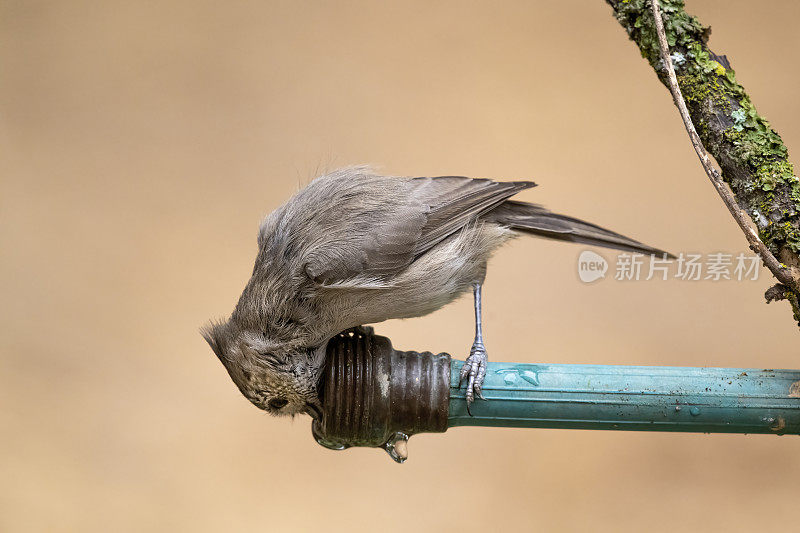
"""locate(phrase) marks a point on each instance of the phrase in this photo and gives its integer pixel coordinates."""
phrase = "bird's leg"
(474, 369)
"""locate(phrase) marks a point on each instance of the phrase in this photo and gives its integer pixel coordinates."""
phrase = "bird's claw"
(474, 371)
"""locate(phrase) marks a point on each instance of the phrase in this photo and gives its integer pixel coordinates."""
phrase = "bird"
(354, 247)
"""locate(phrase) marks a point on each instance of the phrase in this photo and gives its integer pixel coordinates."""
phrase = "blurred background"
(142, 142)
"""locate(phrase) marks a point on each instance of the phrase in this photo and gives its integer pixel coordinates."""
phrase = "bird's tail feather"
(535, 219)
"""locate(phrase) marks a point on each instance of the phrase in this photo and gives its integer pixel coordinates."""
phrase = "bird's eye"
(277, 403)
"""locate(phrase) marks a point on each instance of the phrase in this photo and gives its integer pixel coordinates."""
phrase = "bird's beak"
(314, 409)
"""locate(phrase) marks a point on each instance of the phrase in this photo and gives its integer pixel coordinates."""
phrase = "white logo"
(591, 266)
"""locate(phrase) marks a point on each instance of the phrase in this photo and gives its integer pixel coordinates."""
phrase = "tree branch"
(752, 156)
(781, 273)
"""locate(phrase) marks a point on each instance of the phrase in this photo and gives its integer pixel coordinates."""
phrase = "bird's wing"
(375, 241)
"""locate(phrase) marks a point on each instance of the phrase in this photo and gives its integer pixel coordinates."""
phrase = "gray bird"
(356, 248)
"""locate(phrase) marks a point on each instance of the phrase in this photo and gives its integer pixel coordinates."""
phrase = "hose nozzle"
(379, 396)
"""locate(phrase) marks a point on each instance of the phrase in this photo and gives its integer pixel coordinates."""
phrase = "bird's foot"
(474, 371)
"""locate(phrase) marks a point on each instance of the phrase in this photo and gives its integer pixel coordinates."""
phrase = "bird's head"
(278, 379)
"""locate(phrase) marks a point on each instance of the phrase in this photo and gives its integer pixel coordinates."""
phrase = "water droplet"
(396, 447)
(694, 411)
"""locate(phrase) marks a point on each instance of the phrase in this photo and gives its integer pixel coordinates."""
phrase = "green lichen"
(795, 303)
(699, 90)
(738, 117)
(769, 175)
(739, 138)
(681, 28)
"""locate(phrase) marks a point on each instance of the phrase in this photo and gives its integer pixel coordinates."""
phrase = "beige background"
(142, 142)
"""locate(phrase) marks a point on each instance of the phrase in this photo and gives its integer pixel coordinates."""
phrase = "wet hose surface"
(374, 395)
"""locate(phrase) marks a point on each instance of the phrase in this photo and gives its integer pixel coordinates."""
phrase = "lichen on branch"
(753, 159)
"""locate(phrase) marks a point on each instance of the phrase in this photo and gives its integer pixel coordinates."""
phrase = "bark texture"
(753, 159)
